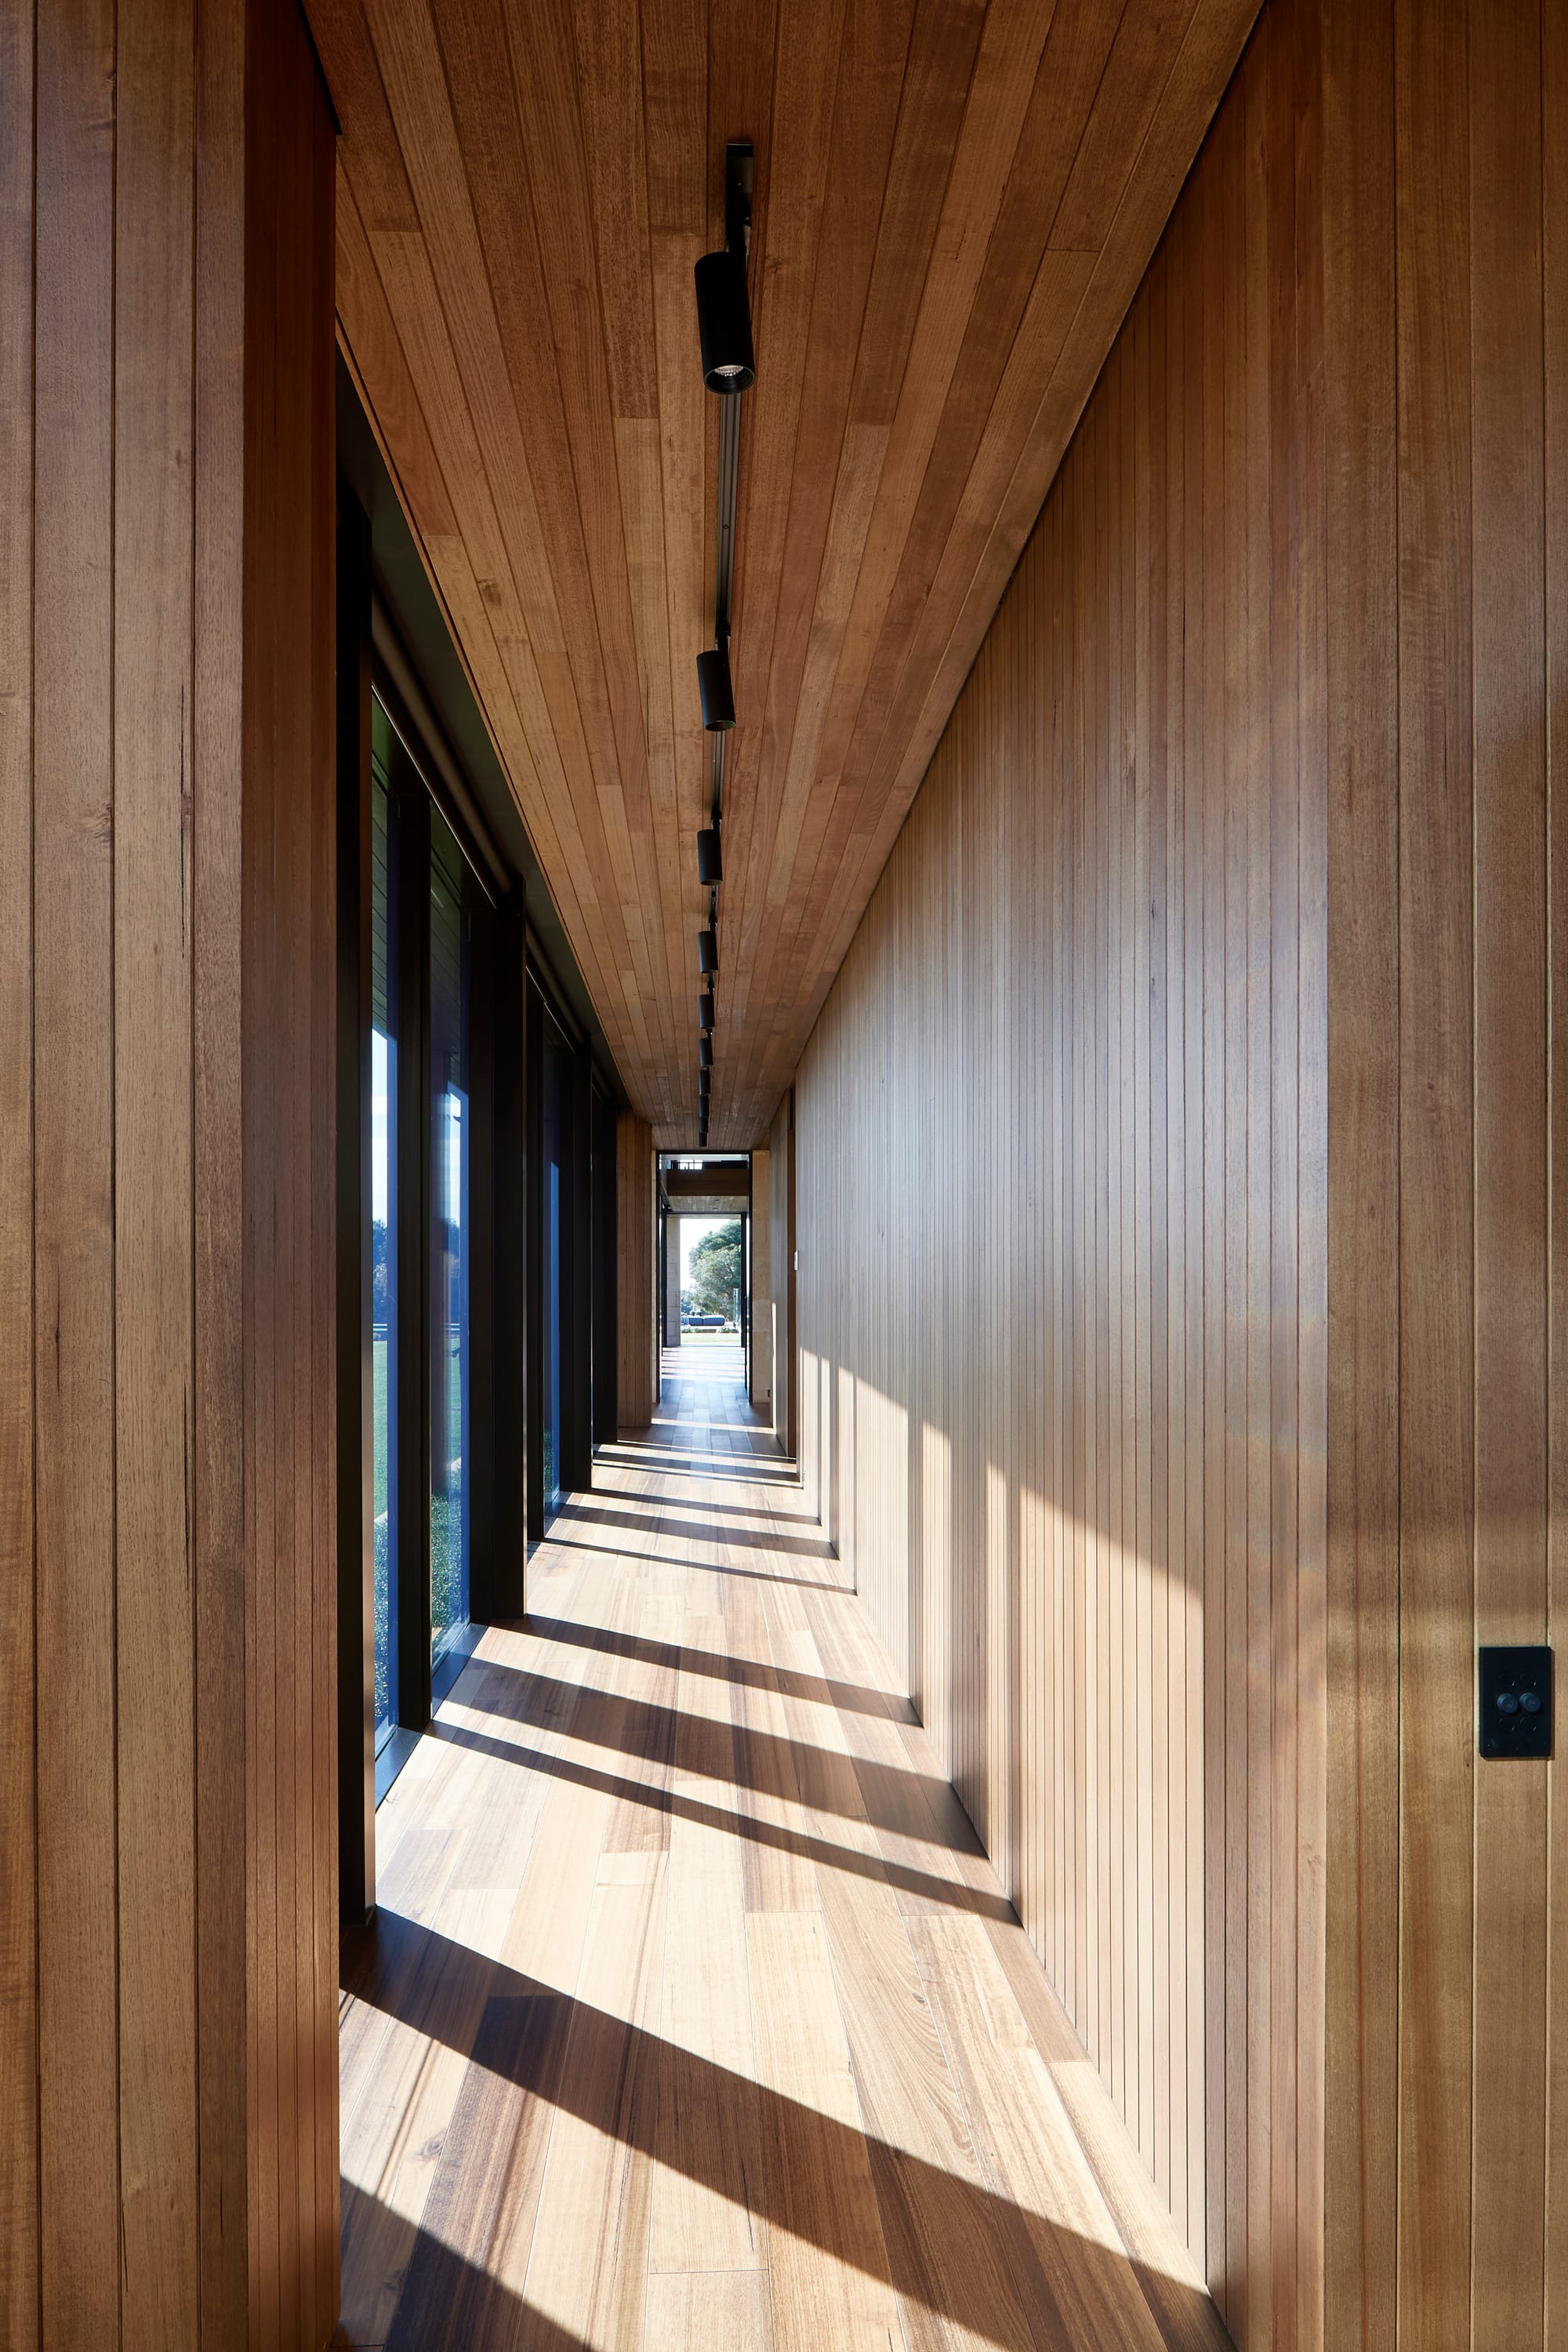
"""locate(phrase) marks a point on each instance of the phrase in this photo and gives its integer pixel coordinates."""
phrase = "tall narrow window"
(554, 1209)
(450, 1231)
(383, 1243)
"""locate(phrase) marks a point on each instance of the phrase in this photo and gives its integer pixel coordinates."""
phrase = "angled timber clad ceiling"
(954, 204)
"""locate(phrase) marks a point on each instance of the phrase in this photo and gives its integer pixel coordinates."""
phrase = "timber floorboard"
(692, 2014)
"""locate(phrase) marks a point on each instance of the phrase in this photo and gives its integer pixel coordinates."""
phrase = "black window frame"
(515, 974)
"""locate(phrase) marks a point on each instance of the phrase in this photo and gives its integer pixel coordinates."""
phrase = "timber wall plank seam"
(168, 1961)
(1180, 1326)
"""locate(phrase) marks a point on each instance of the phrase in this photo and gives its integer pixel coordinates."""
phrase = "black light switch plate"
(1516, 1702)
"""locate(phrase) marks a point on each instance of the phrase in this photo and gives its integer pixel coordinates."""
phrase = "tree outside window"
(716, 1270)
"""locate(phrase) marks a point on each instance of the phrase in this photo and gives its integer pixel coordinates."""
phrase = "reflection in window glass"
(449, 1243)
(384, 1252)
(554, 1139)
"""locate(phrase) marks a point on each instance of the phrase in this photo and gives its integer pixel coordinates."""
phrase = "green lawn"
(378, 1360)
(378, 1412)
(445, 1520)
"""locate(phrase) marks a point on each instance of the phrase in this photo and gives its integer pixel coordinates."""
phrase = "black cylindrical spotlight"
(705, 1011)
(707, 951)
(710, 856)
(704, 1085)
(724, 322)
(713, 686)
(705, 1049)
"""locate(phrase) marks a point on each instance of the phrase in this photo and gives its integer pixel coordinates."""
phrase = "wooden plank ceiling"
(955, 206)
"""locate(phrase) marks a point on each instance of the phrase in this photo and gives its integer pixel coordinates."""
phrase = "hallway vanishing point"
(693, 2013)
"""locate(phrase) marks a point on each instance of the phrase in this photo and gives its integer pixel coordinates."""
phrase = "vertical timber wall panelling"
(168, 2082)
(1182, 1287)
(1054, 1179)
(18, 1979)
(1446, 277)
(1376, 1711)
(636, 1254)
(288, 995)
(1462, 2093)
(1062, 1208)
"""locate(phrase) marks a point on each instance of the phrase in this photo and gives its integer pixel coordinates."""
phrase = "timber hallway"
(692, 2013)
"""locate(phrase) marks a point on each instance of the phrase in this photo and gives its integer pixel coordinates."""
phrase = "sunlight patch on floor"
(694, 2015)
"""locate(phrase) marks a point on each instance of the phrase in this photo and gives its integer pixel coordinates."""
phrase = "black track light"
(710, 856)
(705, 1010)
(704, 1085)
(724, 322)
(705, 1049)
(707, 951)
(713, 686)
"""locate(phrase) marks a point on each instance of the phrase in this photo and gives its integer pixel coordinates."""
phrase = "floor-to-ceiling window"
(451, 1226)
(383, 1205)
(553, 1204)
(572, 1252)
(425, 1194)
(459, 1013)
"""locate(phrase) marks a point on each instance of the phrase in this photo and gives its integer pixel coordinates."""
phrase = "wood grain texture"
(1554, 190)
(1447, 2005)
(1193, 1071)
(153, 1209)
(19, 2242)
(1010, 1159)
(73, 1143)
(952, 208)
(1512, 1084)
(169, 2172)
(595, 2093)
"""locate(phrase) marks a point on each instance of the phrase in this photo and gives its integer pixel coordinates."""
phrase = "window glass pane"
(449, 1241)
(554, 1140)
(383, 1252)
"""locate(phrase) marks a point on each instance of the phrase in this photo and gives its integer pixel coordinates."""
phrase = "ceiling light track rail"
(729, 369)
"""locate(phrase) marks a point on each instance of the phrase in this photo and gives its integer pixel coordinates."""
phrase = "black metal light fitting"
(705, 1050)
(707, 951)
(713, 686)
(724, 322)
(705, 1010)
(710, 856)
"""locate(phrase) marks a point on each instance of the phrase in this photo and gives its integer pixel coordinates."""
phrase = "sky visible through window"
(378, 1127)
(378, 1136)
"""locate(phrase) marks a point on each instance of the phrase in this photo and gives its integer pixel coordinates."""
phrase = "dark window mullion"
(533, 1081)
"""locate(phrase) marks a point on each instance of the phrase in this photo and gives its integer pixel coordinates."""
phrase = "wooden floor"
(692, 2014)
